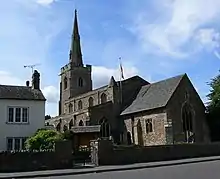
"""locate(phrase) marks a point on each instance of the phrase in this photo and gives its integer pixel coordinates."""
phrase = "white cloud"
(51, 93)
(45, 2)
(102, 75)
(7, 78)
(175, 25)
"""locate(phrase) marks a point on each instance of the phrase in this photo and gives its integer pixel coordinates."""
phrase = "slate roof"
(20, 93)
(85, 129)
(154, 95)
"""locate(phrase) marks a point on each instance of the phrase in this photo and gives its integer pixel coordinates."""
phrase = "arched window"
(149, 126)
(65, 83)
(187, 118)
(79, 105)
(105, 128)
(90, 101)
(81, 123)
(187, 121)
(65, 128)
(58, 127)
(103, 98)
(80, 82)
(70, 108)
(71, 124)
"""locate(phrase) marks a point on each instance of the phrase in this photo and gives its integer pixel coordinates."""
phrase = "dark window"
(149, 126)
(25, 115)
(65, 82)
(81, 123)
(103, 98)
(65, 128)
(58, 126)
(10, 114)
(23, 143)
(71, 124)
(18, 115)
(9, 144)
(70, 108)
(79, 105)
(17, 144)
(105, 128)
(80, 82)
(90, 102)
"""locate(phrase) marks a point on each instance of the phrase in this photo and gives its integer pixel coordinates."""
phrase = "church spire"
(75, 50)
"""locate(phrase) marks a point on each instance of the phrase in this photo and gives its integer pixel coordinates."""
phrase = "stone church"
(132, 111)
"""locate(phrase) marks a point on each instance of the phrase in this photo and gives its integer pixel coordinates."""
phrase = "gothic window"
(90, 102)
(103, 98)
(65, 82)
(80, 82)
(58, 126)
(105, 128)
(81, 123)
(70, 108)
(79, 105)
(65, 128)
(187, 120)
(132, 127)
(149, 126)
(71, 124)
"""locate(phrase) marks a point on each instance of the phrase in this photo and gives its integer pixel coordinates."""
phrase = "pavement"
(89, 169)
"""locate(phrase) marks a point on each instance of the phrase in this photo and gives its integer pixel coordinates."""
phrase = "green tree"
(213, 108)
(43, 139)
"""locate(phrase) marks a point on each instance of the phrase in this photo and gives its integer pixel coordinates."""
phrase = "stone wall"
(107, 154)
(156, 137)
(41, 160)
(187, 93)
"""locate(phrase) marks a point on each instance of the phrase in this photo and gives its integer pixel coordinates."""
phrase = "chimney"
(27, 83)
(36, 80)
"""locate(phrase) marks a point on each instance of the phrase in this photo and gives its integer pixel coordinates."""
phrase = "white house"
(22, 111)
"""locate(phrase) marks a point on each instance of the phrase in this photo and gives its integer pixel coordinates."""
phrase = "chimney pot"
(27, 83)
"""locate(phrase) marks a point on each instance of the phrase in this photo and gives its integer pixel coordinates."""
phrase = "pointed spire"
(112, 82)
(75, 51)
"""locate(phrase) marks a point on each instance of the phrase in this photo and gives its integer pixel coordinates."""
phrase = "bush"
(43, 139)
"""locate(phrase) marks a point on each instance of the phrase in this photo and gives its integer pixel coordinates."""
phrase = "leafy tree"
(43, 139)
(213, 108)
(47, 117)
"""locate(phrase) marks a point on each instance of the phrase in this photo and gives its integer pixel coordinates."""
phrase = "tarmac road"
(203, 170)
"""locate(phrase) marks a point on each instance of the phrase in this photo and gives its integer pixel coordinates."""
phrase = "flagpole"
(121, 73)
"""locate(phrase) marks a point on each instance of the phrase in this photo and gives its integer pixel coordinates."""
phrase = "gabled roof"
(154, 95)
(20, 93)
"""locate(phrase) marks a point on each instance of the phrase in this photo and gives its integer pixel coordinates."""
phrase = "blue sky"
(156, 39)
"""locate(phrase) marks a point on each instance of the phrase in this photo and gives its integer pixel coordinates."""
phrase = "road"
(201, 170)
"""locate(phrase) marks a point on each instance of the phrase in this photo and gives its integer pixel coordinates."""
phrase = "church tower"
(75, 77)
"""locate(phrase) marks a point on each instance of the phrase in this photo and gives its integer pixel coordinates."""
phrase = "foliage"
(43, 139)
(68, 135)
(47, 117)
(213, 108)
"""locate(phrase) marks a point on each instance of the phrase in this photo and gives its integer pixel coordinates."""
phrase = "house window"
(10, 114)
(16, 143)
(149, 126)
(80, 82)
(18, 115)
(79, 105)
(103, 98)
(24, 114)
(90, 102)
(65, 82)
